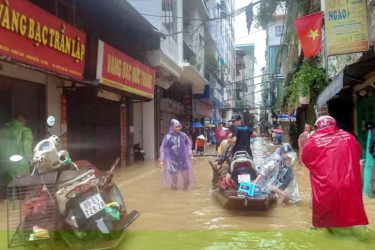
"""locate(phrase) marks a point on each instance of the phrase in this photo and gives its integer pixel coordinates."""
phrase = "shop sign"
(117, 70)
(33, 36)
(203, 110)
(178, 107)
(185, 121)
(321, 111)
(171, 106)
(286, 118)
(217, 94)
(346, 25)
(187, 99)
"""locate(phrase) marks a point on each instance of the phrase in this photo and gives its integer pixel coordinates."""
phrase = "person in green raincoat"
(15, 139)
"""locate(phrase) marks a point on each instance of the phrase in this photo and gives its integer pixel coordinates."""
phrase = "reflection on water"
(210, 226)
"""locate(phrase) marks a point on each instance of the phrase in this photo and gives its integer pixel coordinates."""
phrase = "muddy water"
(202, 224)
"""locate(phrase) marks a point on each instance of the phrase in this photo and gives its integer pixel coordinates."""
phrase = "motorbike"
(77, 200)
(242, 167)
(139, 153)
(229, 195)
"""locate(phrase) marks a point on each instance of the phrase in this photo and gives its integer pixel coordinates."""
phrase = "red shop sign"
(32, 35)
(117, 70)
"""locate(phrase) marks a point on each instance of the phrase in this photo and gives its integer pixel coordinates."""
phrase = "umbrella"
(277, 130)
(211, 125)
(196, 125)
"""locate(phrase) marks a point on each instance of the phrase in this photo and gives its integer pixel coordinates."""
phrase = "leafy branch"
(309, 81)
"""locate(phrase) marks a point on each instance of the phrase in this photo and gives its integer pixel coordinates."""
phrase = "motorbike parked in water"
(75, 199)
(139, 153)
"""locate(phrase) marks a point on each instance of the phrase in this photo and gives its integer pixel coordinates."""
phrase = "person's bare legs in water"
(174, 181)
(185, 177)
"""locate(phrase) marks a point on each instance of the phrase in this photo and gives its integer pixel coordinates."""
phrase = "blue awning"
(196, 125)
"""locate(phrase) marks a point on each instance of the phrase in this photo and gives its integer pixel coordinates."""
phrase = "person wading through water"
(332, 156)
(175, 157)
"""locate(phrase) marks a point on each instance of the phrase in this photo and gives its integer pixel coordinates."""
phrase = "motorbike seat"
(69, 175)
(240, 162)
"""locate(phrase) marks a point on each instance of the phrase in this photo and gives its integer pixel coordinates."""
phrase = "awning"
(196, 125)
(351, 75)
(286, 118)
(331, 90)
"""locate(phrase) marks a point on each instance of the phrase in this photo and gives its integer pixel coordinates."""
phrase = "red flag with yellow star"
(309, 29)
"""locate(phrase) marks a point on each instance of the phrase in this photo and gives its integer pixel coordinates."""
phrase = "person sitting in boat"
(223, 155)
(222, 151)
(276, 174)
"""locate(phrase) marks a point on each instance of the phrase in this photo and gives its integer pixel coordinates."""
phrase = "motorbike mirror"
(51, 121)
(16, 158)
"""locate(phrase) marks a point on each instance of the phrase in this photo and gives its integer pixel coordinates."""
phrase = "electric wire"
(247, 94)
(231, 14)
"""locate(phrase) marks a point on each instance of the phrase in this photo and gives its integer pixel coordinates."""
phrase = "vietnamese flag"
(309, 29)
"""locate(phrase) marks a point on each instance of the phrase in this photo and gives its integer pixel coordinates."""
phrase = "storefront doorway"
(93, 127)
(28, 98)
(365, 114)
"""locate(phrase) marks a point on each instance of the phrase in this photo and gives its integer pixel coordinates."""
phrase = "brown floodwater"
(177, 219)
(164, 210)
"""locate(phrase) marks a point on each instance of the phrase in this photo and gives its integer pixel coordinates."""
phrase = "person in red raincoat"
(332, 156)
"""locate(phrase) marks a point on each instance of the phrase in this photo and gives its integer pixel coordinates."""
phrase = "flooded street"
(193, 219)
(212, 227)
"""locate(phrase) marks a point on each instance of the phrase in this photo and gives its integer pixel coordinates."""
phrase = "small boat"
(234, 200)
(231, 199)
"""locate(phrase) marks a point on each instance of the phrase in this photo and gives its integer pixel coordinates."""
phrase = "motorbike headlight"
(45, 146)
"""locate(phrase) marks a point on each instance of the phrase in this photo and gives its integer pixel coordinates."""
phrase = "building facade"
(80, 66)
(193, 62)
(245, 75)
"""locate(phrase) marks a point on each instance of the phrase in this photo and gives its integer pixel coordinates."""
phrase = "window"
(46, 5)
(169, 19)
(64, 10)
(278, 30)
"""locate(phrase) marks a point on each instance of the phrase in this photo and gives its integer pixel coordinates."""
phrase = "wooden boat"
(232, 199)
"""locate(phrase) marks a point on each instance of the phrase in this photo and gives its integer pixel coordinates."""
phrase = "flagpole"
(325, 42)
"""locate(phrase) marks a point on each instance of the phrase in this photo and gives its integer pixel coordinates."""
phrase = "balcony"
(191, 58)
(190, 75)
